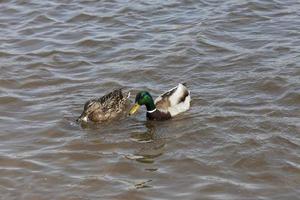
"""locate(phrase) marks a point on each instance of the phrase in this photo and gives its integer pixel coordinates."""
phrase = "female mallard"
(105, 108)
(167, 105)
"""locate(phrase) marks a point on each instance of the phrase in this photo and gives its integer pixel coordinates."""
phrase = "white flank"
(177, 94)
(176, 107)
(181, 107)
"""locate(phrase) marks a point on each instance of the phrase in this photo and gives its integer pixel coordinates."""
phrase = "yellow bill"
(134, 109)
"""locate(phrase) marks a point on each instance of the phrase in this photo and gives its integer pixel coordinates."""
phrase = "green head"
(142, 98)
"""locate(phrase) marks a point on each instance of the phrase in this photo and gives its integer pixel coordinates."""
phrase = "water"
(239, 140)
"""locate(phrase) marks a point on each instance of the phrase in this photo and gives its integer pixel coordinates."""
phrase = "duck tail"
(184, 83)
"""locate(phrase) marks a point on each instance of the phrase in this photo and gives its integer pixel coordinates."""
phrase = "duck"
(105, 108)
(165, 106)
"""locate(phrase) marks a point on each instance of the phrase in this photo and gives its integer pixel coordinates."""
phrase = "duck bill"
(134, 109)
(83, 118)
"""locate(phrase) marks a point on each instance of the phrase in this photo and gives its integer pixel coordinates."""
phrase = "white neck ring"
(151, 111)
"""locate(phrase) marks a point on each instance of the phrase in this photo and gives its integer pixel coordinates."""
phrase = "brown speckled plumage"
(105, 108)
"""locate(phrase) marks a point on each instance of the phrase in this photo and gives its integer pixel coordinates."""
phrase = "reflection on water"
(145, 137)
(151, 145)
(239, 140)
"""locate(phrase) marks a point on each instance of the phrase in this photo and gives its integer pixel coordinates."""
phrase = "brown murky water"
(240, 140)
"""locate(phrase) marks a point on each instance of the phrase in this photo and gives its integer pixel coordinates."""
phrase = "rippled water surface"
(239, 140)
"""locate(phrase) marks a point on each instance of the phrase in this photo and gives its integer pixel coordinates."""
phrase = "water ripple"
(240, 60)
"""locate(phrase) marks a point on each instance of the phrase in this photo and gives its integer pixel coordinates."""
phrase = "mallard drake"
(105, 108)
(166, 106)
